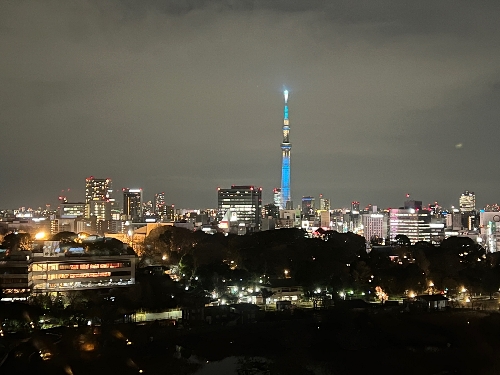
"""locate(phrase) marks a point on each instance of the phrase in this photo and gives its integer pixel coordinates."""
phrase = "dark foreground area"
(327, 342)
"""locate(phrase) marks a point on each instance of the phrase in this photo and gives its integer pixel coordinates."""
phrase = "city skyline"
(184, 97)
(116, 196)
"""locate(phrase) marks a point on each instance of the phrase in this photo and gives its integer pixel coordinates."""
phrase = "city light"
(40, 236)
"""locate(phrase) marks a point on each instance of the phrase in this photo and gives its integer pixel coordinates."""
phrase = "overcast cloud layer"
(386, 98)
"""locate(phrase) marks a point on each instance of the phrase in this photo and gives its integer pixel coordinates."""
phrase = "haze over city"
(385, 99)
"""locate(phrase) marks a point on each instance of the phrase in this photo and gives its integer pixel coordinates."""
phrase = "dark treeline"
(335, 262)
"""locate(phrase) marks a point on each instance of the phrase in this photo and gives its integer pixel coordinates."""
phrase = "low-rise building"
(57, 267)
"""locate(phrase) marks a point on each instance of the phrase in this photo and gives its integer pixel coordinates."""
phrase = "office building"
(148, 210)
(277, 197)
(97, 189)
(454, 220)
(98, 198)
(54, 267)
(467, 201)
(132, 204)
(72, 210)
(239, 208)
(159, 204)
(169, 212)
(413, 223)
(271, 210)
(324, 203)
(62, 225)
(308, 206)
(374, 227)
(324, 220)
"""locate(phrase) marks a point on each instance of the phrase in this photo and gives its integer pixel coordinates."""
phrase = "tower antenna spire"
(286, 146)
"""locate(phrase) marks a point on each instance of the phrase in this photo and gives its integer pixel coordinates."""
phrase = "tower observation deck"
(286, 147)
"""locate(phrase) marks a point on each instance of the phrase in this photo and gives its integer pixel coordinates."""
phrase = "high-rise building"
(286, 147)
(410, 222)
(324, 203)
(97, 189)
(325, 220)
(467, 201)
(148, 210)
(277, 197)
(308, 206)
(159, 204)
(374, 227)
(169, 212)
(271, 210)
(355, 208)
(454, 220)
(239, 208)
(98, 198)
(132, 204)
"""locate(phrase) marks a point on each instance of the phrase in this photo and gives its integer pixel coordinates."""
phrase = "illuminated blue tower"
(286, 200)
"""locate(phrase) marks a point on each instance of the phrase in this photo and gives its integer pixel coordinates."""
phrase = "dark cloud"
(185, 96)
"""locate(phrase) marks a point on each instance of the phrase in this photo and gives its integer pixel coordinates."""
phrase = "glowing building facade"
(467, 201)
(286, 146)
(239, 208)
(97, 189)
(98, 198)
(410, 222)
(159, 204)
(374, 226)
(55, 267)
(489, 225)
(277, 197)
(324, 203)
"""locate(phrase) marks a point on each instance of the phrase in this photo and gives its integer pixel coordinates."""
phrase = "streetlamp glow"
(40, 236)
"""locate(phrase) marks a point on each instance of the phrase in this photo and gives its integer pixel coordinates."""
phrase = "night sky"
(386, 98)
